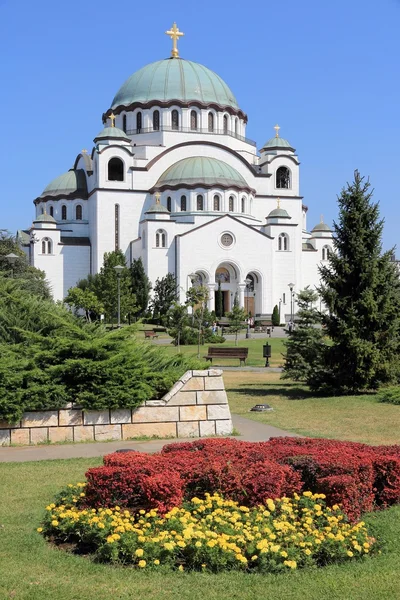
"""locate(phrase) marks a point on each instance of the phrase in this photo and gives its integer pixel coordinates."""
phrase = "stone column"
(211, 298)
(242, 288)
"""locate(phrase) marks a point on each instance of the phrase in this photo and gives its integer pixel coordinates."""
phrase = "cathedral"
(173, 179)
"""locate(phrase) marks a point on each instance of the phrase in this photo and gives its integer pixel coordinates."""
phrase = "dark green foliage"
(141, 286)
(275, 316)
(361, 290)
(219, 302)
(305, 344)
(50, 358)
(177, 318)
(86, 300)
(390, 395)
(237, 318)
(164, 297)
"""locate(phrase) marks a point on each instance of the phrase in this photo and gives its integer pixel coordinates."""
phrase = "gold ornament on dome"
(277, 128)
(112, 119)
(174, 34)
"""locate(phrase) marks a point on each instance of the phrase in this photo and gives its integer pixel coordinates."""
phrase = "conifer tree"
(305, 345)
(275, 319)
(141, 286)
(165, 295)
(361, 291)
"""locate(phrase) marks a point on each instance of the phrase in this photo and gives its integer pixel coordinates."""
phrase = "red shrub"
(162, 490)
(266, 479)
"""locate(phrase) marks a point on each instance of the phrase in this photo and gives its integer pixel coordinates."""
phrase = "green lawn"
(33, 570)
(356, 418)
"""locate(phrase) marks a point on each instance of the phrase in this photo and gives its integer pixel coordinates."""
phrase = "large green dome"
(68, 185)
(201, 171)
(174, 79)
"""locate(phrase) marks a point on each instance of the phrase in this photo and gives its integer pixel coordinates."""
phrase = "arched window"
(156, 120)
(283, 242)
(116, 226)
(217, 203)
(210, 121)
(51, 211)
(43, 247)
(193, 120)
(326, 252)
(115, 170)
(231, 203)
(283, 178)
(161, 239)
(42, 210)
(63, 213)
(200, 202)
(78, 212)
(138, 122)
(183, 203)
(225, 124)
(169, 203)
(46, 246)
(124, 123)
(175, 120)
(243, 204)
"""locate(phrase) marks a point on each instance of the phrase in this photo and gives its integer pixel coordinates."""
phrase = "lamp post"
(11, 259)
(118, 269)
(291, 286)
(248, 282)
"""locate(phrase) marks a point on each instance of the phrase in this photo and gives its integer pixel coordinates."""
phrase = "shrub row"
(358, 477)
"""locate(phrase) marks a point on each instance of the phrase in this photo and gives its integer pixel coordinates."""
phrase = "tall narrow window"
(231, 203)
(78, 212)
(183, 203)
(284, 298)
(193, 120)
(225, 124)
(48, 246)
(210, 121)
(326, 252)
(283, 178)
(175, 120)
(138, 122)
(43, 247)
(116, 226)
(115, 170)
(156, 120)
(51, 211)
(243, 205)
(217, 204)
(169, 203)
(124, 123)
(283, 242)
(63, 213)
(236, 126)
(200, 202)
(157, 240)
(161, 239)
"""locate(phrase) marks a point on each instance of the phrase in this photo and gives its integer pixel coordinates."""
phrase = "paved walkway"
(251, 431)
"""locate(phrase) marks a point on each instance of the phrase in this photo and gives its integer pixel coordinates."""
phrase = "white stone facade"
(112, 212)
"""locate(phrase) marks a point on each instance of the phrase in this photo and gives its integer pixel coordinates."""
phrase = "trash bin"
(267, 353)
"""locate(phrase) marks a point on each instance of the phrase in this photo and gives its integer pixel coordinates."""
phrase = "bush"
(390, 395)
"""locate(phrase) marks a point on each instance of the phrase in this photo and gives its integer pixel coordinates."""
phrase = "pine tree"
(305, 345)
(361, 290)
(165, 295)
(275, 316)
(141, 286)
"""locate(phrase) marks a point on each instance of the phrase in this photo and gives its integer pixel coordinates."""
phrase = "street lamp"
(248, 282)
(11, 259)
(118, 269)
(291, 286)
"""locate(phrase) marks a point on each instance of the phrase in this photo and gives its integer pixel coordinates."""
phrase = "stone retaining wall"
(196, 406)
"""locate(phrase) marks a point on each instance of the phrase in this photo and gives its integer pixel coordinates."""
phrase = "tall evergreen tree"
(275, 319)
(305, 345)
(106, 285)
(219, 302)
(165, 295)
(361, 290)
(141, 286)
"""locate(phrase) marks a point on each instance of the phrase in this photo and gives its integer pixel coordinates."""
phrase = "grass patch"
(355, 418)
(33, 570)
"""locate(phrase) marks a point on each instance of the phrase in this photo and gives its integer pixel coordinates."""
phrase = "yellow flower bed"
(213, 534)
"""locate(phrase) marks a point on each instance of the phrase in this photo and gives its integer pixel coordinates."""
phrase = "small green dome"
(174, 79)
(277, 142)
(278, 212)
(73, 183)
(201, 171)
(321, 227)
(45, 218)
(157, 209)
(112, 133)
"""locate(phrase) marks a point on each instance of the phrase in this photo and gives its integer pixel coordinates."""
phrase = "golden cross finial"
(84, 151)
(279, 202)
(112, 119)
(175, 34)
(157, 196)
(277, 128)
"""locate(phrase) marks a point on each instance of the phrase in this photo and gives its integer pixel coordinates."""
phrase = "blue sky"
(328, 73)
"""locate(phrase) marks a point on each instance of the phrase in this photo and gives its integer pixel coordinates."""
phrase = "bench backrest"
(149, 333)
(214, 351)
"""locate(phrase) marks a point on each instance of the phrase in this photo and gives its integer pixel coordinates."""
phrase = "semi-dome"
(278, 213)
(70, 184)
(112, 133)
(201, 171)
(277, 142)
(175, 79)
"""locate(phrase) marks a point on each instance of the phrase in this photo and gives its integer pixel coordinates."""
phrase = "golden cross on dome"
(174, 34)
(277, 128)
(157, 196)
(279, 202)
(112, 119)
(84, 151)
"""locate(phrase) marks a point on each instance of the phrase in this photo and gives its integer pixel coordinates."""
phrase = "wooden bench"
(240, 353)
(150, 335)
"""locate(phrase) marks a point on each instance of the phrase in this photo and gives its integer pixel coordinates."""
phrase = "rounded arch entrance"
(252, 293)
(227, 279)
